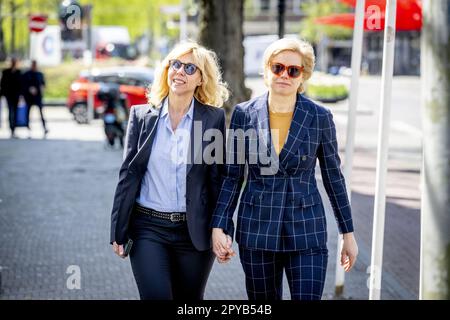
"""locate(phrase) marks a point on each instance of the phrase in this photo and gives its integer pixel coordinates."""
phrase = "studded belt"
(172, 216)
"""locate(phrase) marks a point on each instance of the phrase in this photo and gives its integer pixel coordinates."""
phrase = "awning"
(408, 17)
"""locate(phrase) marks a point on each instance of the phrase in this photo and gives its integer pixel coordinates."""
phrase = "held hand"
(230, 252)
(118, 249)
(33, 91)
(349, 251)
(222, 245)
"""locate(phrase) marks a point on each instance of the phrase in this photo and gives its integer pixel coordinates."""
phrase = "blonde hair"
(302, 47)
(212, 91)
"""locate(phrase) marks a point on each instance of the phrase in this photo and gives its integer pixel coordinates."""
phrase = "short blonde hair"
(302, 47)
(212, 91)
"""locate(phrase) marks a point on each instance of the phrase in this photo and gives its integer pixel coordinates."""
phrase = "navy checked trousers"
(305, 271)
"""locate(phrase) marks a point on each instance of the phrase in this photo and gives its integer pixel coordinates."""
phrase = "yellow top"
(279, 128)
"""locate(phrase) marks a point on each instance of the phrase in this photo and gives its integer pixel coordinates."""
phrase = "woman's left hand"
(349, 251)
(222, 245)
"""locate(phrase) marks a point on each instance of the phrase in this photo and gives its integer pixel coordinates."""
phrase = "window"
(108, 79)
(264, 5)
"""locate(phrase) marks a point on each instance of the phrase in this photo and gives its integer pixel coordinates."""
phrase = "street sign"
(45, 46)
(37, 22)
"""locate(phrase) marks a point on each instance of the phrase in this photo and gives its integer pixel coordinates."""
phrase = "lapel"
(263, 127)
(299, 127)
(151, 118)
(147, 135)
(199, 125)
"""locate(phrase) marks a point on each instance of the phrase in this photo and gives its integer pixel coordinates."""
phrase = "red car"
(134, 83)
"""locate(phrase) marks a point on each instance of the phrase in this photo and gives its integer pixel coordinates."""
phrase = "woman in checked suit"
(281, 222)
(167, 191)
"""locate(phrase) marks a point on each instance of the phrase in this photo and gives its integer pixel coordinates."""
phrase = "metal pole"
(281, 12)
(13, 8)
(183, 21)
(91, 48)
(1, 103)
(358, 31)
(382, 153)
(28, 44)
(435, 217)
(33, 45)
(3, 54)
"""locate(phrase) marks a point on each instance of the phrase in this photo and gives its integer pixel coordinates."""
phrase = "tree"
(14, 23)
(313, 9)
(221, 29)
(435, 73)
(13, 8)
(137, 15)
(2, 39)
(140, 16)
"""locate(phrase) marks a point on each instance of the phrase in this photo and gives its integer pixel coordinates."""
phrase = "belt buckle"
(175, 217)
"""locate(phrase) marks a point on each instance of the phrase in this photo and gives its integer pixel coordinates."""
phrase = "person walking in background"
(281, 222)
(10, 88)
(164, 199)
(33, 91)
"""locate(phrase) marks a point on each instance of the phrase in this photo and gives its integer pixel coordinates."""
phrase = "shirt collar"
(165, 108)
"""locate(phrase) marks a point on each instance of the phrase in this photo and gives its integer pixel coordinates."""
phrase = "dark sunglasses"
(189, 68)
(292, 71)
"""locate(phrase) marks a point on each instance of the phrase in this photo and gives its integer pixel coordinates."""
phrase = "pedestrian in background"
(281, 222)
(164, 200)
(10, 88)
(33, 91)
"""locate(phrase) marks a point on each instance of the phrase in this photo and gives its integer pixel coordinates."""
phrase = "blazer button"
(303, 158)
(130, 171)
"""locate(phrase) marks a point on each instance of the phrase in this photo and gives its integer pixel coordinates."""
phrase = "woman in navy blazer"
(167, 190)
(281, 222)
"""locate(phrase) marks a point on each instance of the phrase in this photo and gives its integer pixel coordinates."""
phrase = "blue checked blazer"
(283, 210)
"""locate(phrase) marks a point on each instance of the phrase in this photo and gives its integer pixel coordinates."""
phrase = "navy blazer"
(282, 210)
(203, 180)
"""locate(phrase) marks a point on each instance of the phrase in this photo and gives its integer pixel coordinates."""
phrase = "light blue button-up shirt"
(163, 187)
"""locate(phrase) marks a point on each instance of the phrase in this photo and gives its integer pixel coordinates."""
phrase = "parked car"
(118, 50)
(133, 83)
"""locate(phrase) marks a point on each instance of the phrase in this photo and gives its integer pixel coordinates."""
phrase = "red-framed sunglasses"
(292, 71)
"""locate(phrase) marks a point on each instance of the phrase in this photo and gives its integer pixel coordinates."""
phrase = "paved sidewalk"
(55, 201)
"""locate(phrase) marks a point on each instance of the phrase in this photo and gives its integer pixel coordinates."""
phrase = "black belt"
(172, 216)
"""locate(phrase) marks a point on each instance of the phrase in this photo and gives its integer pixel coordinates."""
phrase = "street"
(56, 197)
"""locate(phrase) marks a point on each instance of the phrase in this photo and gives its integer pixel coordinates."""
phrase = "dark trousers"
(166, 265)
(13, 103)
(35, 102)
(305, 271)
